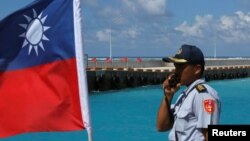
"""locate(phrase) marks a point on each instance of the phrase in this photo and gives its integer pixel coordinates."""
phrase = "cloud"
(153, 7)
(109, 11)
(103, 35)
(145, 24)
(235, 28)
(196, 29)
(230, 29)
(226, 23)
(130, 33)
(110, 16)
(130, 4)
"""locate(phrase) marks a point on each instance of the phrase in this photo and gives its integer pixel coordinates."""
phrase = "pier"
(119, 75)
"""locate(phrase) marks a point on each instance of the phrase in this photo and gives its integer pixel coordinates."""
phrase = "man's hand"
(169, 91)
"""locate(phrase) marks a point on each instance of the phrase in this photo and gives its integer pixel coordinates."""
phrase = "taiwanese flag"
(93, 60)
(108, 60)
(124, 59)
(42, 72)
(138, 59)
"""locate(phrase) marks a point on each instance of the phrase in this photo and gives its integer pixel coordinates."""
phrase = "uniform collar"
(190, 87)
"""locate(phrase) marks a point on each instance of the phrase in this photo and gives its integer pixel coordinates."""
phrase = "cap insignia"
(179, 51)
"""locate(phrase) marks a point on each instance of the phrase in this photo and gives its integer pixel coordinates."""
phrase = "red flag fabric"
(108, 60)
(124, 59)
(93, 60)
(42, 77)
(41, 98)
(138, 59)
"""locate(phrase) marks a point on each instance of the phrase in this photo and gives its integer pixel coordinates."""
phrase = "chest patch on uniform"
(209, 105)
(201, 88)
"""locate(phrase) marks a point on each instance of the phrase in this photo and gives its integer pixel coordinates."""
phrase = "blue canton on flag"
(27, 36)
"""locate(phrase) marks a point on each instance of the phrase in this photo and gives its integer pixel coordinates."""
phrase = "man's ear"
(197, 68)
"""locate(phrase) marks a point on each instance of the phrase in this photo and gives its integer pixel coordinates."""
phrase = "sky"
(157, 28)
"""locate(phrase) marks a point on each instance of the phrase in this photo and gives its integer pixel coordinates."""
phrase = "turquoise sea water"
(130, 114)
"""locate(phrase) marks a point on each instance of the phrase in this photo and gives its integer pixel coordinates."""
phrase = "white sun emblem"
(34, 32)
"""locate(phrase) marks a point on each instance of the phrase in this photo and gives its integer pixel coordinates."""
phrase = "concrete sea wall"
(121, 75)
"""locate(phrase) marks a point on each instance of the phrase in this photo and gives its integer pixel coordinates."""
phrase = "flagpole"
(110, 43)
(81, 68)
(215, 44)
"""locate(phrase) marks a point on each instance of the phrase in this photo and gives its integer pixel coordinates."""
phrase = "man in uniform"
(197, 106)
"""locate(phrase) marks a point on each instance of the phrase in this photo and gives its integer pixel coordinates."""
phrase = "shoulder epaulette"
(201, 88)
